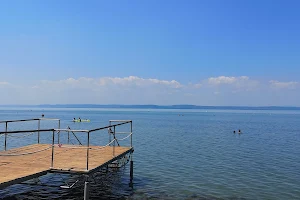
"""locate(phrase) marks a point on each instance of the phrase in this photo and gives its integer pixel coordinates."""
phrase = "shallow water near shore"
(184, 154)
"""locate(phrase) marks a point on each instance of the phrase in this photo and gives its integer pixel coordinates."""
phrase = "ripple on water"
(195, 156)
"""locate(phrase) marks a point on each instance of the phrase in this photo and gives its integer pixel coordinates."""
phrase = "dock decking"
(17, 168)
(24, 163)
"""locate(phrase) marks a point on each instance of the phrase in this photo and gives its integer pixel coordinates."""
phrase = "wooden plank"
(67, 158)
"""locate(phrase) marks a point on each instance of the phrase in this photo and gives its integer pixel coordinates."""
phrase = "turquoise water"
(194, 155)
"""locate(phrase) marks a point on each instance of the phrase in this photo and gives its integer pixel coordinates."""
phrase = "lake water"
(185, 154)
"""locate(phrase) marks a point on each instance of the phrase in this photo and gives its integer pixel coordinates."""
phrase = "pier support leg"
(86, 189)
(131, 172)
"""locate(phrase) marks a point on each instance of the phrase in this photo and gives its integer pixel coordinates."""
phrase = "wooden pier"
(24, 163)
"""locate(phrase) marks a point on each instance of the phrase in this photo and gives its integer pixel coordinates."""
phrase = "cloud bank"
(221, 90)
(284, 85)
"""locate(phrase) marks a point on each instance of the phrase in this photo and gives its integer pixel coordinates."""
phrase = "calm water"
(191, 156)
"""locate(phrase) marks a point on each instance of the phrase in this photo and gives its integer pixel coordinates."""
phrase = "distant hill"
(183, 106)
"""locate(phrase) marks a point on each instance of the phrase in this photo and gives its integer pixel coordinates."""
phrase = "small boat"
(81, 120)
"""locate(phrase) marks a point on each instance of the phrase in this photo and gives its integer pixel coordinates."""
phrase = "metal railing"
(112, 142)
(7, 122)
(114, 132)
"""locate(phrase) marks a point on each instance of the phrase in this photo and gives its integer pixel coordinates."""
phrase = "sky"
(201, 52)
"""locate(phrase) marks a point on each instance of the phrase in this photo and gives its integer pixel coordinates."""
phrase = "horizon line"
(157, 105)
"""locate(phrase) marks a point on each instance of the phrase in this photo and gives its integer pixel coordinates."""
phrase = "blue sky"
(207, 47)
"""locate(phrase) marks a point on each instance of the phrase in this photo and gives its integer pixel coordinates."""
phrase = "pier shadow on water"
(113, 185)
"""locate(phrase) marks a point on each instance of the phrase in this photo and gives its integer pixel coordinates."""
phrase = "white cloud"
(134, 80)
(226, 80)
(229, 84)
(283, 85)
(80, 82)
(113, 81)
(198, 85)
(107, 90)
(221, 90)
(3, 83)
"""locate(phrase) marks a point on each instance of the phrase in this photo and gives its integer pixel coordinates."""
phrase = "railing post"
(114, 140)
(109, 133)
(131, 171)
(87, 152)
(131, 158)
(58, 132)
(131, 134)
(68, 137)
(86, 194)
(6, 124)
(39, 126)
(52, 158)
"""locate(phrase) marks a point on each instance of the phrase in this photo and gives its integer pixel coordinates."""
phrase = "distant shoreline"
(158, 107)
